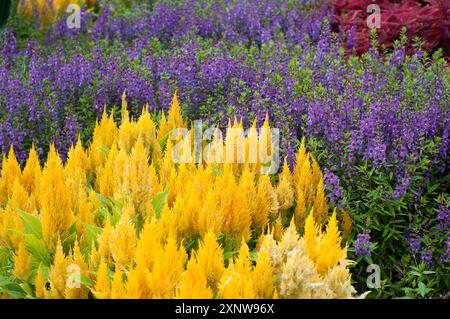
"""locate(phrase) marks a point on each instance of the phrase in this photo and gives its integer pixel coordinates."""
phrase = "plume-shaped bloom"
(55, 201)
(58, 272)
(22, 263)
(40, 284)
(102, 289)
(130, 218)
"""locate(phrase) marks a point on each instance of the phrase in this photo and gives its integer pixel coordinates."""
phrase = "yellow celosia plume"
(137, 224)
(22, 263)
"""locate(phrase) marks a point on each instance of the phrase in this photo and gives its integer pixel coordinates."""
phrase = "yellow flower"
(300, 159)
(136, 182)
(140, 239)
(236, 281)
(210, 259)
(263, 276)
(136, 285)
(285, 191)
(234, 208)
(193, 284)
(167, 269)
(104, 242)
(330, 251)
(31, 172)
(40, 284)
(47, 11)
(10, 171)
(22, 263)
(148, 245)
(123, 239)
(102, 289)
(77, 268)
(209, 216)
(346, 224)
(20, 199)
(117, 287)
(300, 210)
(311, 237)
(174, 118)
(58, 272)
(320, 210)
(11, 220)
(104, 136)
(55, 201)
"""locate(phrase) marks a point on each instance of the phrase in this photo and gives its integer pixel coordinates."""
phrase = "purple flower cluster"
(362, 244)
(244, 58)
(414, 243)
(387, 113)
(426, 256)
(443, 216)
(332, 183)
(446, 257)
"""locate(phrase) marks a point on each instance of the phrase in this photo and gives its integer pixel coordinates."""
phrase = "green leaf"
(91, 232)
(423, 290)
(229, 253)
(253, 256)
(15, 291)
(4, 281)
(116, 210)
(68, 242)
(163, 141)
(38, 249)
(114, 206)
(158, 202)
(35, 246)
(415, 273)
(31, 223)
(27, 288)
(86, 281)
(105, 201)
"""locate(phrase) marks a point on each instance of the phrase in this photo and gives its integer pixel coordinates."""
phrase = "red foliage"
(428, 19)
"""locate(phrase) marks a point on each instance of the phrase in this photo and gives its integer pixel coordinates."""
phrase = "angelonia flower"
(426, 256)
(446, 256)
(362, 244)
(124, 214)
(414, 243)
(443, 216)
(332, 183)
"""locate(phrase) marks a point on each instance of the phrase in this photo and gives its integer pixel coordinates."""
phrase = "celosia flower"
(40, 284)
(137, 218)
(22, 263)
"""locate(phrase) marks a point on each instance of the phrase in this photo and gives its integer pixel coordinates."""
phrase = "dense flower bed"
(378, 124)
(123, 206)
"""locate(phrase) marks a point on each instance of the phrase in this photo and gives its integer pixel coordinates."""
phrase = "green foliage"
(369, 197)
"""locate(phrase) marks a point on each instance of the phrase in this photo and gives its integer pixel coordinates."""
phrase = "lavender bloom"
(446, 256)
(401, 188)
(443, 217)
(244, 58)
(362, 244)
(332, 183)
(426, 256)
